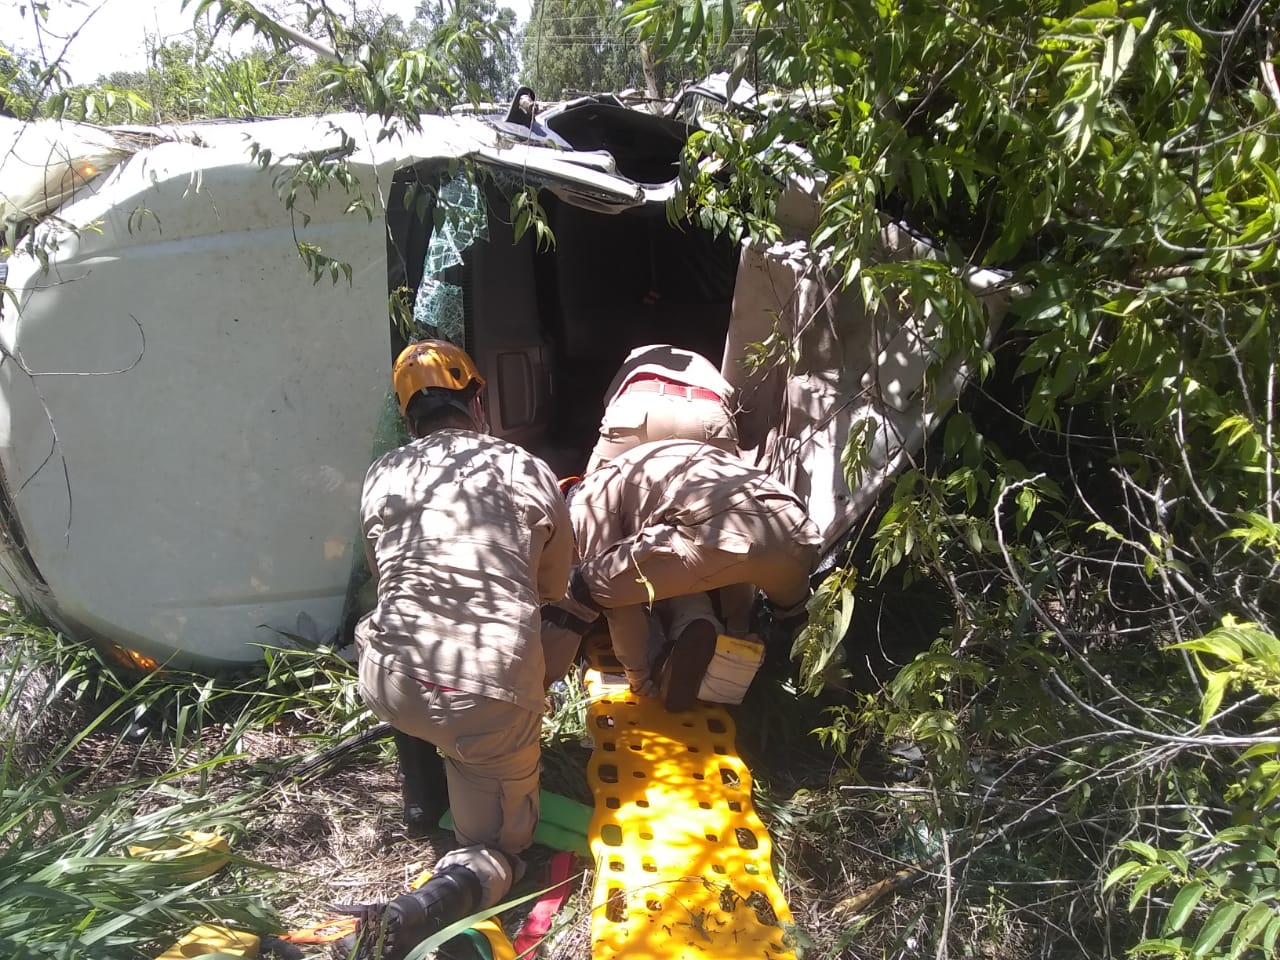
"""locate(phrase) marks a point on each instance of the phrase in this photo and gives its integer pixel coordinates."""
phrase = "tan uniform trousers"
(663, 561)
(491, 749)
(636, 418)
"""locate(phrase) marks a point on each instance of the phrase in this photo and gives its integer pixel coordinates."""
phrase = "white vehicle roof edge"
(553, 171)
(368, 140)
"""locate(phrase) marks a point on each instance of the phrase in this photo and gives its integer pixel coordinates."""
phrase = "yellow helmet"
(432, 363)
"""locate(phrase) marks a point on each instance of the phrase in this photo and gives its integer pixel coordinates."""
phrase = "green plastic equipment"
(562, 824)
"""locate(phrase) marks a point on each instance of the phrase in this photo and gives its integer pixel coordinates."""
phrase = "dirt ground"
(340, 839)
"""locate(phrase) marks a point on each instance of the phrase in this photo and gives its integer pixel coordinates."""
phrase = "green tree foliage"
(490, 66)
(572, 46)
(584, 46)
(365, 61)
(192, 80)
(1109, 497)
(21, 86)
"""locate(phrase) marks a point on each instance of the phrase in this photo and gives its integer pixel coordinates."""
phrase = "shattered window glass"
(438, 306)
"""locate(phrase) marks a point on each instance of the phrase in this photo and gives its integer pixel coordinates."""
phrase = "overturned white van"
(187, 412)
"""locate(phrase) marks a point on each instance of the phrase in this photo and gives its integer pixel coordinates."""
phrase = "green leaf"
(1122, 872)
(1171, 947)
(1153, 875)
(1027, 500)
(1097, 11)
(1250, 926)
(1216, 927)
(1214, 689)
(1116, 55)
(1270, 937)
(1145, 850)
(1184, 903)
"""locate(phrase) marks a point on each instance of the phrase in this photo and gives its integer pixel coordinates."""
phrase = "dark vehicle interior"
(549, 328)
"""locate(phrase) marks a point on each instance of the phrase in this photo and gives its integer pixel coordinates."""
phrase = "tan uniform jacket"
(715, 499)
(467, 535)
(671, 363)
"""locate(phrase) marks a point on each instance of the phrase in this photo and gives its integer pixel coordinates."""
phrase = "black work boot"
(422, 783)
(686, 665)
(410, 918)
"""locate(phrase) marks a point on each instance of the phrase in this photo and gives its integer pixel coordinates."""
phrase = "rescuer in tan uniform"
(466, 536)
(673, 518)
(662, 392)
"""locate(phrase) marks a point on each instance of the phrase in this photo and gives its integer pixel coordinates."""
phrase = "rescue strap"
(538, 922)
(652, 383)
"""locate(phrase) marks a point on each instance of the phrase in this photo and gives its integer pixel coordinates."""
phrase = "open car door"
(835, 373)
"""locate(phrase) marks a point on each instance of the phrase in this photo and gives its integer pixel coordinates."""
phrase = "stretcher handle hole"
(608, 773)
(604, 721)
(611, 834)
(716, 726)
(616, 907)
(609, 746)
(746, 839)
(613, 803)
(703, 805)
(729, 777)
(615, 865)
(735, 806)
(642, 803)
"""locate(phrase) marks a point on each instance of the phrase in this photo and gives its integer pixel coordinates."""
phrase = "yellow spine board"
(683, 865)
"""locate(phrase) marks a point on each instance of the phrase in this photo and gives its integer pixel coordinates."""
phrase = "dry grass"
(339, 838)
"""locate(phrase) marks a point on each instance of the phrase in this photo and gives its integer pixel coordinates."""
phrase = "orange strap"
(326, 931)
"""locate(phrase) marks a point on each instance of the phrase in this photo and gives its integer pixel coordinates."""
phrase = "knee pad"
(494, 870)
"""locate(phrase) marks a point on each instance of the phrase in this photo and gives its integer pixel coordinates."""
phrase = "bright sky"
(112, 33)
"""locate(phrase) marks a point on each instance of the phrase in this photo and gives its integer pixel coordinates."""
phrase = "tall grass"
(78, 787)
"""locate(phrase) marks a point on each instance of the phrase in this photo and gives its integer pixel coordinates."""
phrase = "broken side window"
(461, 220)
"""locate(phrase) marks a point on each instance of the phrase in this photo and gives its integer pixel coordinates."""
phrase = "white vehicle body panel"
(213, 406)
(186, 417)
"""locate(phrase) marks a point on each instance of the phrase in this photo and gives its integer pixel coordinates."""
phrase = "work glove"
(782, 624)
(579, 590)
(641, 682)
(558, 616)
(577, 610)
